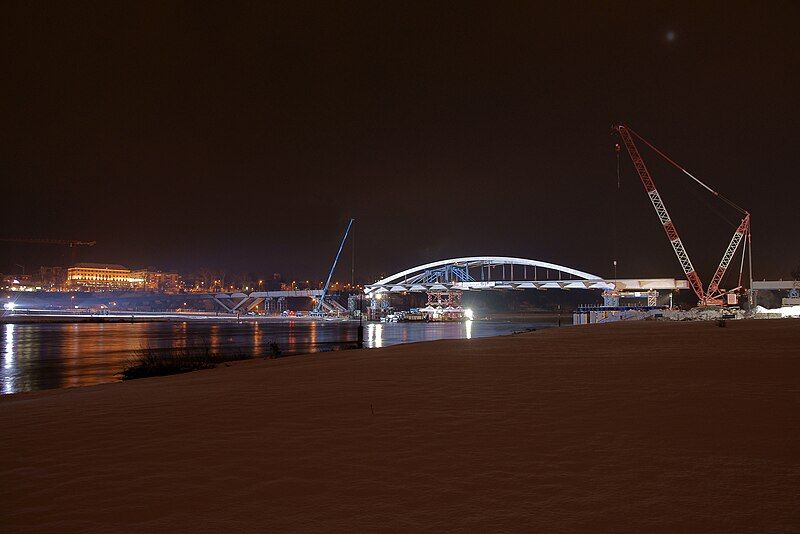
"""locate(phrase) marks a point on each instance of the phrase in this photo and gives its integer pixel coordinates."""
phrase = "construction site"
(730, 293)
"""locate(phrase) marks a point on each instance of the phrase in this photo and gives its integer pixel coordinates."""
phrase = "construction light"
(469, 314)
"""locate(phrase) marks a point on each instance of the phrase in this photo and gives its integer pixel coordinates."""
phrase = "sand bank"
(633, 426)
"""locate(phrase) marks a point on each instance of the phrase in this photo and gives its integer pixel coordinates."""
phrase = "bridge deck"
(776, 285)
(627, 284)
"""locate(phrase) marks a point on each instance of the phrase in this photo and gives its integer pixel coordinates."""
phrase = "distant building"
(148, 280)
(275, 283)
(100, 276)
(106, 277)
(53, 278)
(289, 286)
(19, 282)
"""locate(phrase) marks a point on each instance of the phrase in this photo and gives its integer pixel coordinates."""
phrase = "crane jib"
(712, 294)
(662, 213)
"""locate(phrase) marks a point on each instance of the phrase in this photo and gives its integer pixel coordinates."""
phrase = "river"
(57, 355)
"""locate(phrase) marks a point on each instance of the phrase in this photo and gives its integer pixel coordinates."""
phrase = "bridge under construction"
(445, 280)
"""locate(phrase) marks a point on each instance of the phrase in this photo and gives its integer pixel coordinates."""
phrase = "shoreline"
(91, 366)
(32, 316)
(145, 317)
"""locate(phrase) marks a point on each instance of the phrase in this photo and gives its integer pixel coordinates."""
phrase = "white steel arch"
(412, 277)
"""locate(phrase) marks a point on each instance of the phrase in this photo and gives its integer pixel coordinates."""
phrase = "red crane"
(712, 295)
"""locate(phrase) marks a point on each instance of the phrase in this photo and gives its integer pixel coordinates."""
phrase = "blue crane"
(318, 307)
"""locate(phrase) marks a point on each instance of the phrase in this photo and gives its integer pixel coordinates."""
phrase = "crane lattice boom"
(663, 214)
(710, 296)
(736, 240)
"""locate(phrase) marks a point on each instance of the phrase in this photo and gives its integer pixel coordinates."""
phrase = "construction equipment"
(318, 309)
(712, 295)
(73, 244)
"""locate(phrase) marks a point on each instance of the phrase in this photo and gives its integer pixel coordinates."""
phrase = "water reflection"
(42, 356)
(213, 337)
(313, 333)
(181, 336)
(292, 339)
(375, 335)
(8, 359)
(257, 339)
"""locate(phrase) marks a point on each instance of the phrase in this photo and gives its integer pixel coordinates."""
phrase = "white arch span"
(400, 280)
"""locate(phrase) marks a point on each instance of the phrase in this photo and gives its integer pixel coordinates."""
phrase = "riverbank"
(66, 316)
(54, 355)
(629, 426)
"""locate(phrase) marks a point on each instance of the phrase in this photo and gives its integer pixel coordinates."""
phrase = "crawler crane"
(712, 295)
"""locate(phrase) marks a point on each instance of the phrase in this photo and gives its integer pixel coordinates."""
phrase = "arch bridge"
(505, 272)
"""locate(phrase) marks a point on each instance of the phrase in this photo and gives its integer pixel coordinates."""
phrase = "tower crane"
(711, 295)
(72, 243)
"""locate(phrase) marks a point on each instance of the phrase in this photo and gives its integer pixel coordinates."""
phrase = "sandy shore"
(634, 427)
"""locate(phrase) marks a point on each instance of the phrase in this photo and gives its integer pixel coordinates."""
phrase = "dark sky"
(244, 135)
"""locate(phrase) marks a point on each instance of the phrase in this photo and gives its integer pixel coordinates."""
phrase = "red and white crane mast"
(663, 214)
(743, 230)
(712, 295)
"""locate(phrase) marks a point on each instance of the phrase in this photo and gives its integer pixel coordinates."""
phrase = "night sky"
(244, 135)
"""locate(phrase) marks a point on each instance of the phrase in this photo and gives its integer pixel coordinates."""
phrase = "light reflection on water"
(55, 355)
(8, 358)
(374, 335)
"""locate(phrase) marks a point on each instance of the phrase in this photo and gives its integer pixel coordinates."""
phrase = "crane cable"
(712, 207)
(746, 244)
(687, 173)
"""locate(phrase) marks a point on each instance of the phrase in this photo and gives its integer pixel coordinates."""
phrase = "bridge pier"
(444, 304)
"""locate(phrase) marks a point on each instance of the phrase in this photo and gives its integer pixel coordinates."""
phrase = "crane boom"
(663, 214)
(711, 295)
(320, 302)
(738, 236)
(70, 242)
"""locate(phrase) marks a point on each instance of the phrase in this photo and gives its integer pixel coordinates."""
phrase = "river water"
(57, 355)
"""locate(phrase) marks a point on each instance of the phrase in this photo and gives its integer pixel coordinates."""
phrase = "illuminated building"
(104, 277)
(148, 280)
(19, 283)
(101, 276)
